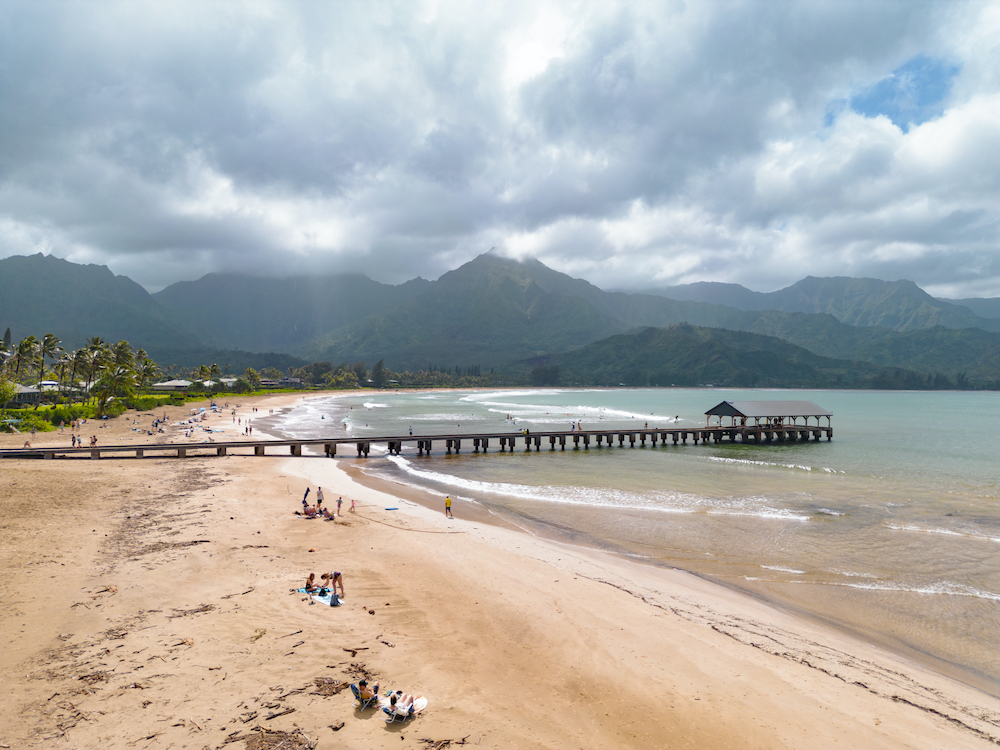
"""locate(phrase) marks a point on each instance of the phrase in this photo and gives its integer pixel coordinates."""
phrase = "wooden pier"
(426, 444)
(750, 422)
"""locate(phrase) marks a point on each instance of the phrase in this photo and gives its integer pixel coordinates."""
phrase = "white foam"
(781, 569)
(942, 588)
(750, 462)
(659, 501)
(943, 532)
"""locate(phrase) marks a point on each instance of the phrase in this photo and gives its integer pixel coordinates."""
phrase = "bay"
(891, 530)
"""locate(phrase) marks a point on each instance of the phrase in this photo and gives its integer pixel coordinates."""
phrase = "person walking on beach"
(319, 499)
(340, 501)
(352, 505)
(447, 507)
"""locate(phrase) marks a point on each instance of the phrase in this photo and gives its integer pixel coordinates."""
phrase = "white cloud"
(631, 143)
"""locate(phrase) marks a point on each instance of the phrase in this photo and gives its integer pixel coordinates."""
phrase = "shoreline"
(476, 512)
(166, 619)
(433, 499)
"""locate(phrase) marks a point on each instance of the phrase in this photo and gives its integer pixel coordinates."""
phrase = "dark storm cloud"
(750, 142)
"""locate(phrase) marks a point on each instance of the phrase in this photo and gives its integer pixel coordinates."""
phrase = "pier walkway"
(424, 444)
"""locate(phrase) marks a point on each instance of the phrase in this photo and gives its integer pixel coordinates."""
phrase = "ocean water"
(891, 531)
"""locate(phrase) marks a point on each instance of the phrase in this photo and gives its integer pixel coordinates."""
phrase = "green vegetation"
(685, 355)
(104, 378)
(520, 322)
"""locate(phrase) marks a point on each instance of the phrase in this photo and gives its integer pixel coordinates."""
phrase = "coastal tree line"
(99, 371)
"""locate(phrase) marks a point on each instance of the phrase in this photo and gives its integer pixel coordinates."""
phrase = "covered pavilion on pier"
(773, 413)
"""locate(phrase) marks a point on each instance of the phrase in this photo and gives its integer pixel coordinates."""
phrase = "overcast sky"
(632, 144)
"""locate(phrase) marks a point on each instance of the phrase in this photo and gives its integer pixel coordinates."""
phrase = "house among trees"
(172, 385)
(24, 394)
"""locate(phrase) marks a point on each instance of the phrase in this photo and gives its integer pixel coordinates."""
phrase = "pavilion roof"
(755, 409)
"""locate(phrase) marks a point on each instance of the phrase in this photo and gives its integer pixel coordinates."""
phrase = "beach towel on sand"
(324, 599)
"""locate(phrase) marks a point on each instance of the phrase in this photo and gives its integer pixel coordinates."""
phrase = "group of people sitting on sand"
(317, 510)
(400, 705)
(328, 582)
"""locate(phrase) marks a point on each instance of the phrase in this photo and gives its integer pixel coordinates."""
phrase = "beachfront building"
(767, 413)
(24, 394)
(172, 385)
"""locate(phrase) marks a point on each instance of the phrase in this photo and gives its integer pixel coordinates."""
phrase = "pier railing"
(425, 444)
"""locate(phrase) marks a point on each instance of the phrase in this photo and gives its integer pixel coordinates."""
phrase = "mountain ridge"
(897, 305)
(492, 312)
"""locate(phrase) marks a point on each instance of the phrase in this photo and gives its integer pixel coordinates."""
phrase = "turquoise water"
(891, 530)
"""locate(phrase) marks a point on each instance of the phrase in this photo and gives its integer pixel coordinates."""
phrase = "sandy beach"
(149, 603)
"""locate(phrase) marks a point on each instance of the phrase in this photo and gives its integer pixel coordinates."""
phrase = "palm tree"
(26, 355)
(115, 381)
(122, 355)
(50, 347)
(66, 360)
(98, 356)
(80, 360)
(251, 376)
(145, 368)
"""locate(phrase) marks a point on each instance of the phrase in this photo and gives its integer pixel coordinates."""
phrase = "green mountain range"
(686, 355)
(896, 305)
(261, 314)
(514, 316)
(42, 294)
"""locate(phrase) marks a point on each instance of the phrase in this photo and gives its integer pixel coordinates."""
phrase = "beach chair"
(391, 714)
(364, 703)
(394, 714)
